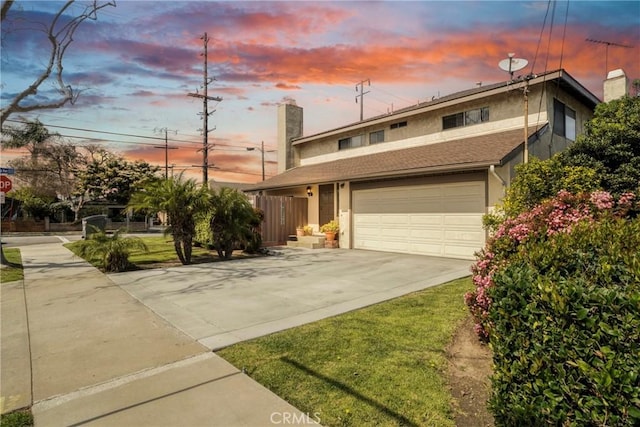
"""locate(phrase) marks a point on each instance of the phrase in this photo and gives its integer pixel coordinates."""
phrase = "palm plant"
(232, 219)
(111, 251)
(182, 200)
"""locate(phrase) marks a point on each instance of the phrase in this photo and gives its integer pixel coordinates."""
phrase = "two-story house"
(420, 179)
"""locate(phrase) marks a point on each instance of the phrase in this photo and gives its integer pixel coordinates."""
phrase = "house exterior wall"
(505, 112)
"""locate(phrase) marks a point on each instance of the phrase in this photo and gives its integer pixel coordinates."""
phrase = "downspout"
(492, 171)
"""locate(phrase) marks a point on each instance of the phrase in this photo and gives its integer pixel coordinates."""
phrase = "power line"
(108, 133)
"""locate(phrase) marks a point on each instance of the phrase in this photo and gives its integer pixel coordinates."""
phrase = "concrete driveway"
(223, 303)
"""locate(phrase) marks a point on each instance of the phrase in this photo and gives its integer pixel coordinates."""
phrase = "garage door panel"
(426, 220)
(394, 220)
(366, 220)
(471, 221)
(433, 234)
(462, 236)
(395, 233)
(439, 220)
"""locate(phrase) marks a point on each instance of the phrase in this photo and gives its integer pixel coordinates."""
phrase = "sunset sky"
(138, 61)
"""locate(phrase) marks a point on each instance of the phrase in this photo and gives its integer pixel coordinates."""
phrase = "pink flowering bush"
(557, 215)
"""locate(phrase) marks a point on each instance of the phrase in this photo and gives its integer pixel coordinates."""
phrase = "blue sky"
(136, 63)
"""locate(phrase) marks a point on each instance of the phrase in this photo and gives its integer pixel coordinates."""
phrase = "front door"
(327, 212)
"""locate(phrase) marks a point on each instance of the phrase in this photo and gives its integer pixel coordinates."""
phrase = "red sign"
(5, 184)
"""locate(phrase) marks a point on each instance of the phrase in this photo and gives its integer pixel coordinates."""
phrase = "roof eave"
(432, 170)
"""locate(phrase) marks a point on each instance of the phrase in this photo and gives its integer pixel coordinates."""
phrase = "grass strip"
(161, 250)
(13, 272)
(381, 365)
(21, 418)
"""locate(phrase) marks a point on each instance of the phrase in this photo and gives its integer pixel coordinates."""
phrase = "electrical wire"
(544, 24)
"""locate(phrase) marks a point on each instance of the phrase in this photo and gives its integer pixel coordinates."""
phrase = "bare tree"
(59, 32)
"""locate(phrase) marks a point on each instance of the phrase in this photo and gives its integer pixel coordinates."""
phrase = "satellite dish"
(512, 64)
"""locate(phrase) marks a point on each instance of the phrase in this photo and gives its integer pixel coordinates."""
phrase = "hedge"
(565, 328)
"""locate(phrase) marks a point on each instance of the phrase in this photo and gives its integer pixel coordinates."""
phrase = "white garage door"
(439, 219)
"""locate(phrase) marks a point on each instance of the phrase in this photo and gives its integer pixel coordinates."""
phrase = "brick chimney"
(289, 127)
(616, 85)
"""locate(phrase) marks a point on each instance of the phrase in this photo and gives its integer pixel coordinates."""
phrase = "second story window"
(351, 142)
(467, 118)
(376, 137)
(398, 125)
(564, 120)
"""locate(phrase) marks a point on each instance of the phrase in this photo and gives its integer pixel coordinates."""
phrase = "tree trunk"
(177, 246)
(187, 248)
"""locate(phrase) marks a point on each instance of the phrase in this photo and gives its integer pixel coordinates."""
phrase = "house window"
(398, 125)
(467, 118)
(375, 137)
(352, 142)
(564, 120)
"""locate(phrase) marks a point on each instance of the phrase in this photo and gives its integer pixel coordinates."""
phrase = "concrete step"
(309, 242)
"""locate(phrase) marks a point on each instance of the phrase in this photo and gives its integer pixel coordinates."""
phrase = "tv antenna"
(511, 65)
(606, 51)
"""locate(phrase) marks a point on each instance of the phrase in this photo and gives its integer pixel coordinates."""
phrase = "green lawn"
(161, 250)
(10, 274)
(21, 418)
(381, 365)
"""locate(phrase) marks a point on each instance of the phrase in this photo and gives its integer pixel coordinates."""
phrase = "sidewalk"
(100, 357)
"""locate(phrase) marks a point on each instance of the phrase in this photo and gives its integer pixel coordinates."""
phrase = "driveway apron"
(223, 303)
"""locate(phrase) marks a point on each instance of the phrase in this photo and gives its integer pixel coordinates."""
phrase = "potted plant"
(308, 230)
(330, 229)
(299, 231)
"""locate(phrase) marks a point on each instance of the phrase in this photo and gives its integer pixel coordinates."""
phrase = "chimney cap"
(616, 73)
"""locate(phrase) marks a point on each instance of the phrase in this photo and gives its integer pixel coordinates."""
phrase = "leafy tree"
(611, 145)
(182, 201)
(232, 217)
(33, 203)
(111, 178)
(112, 251)
(34, 169)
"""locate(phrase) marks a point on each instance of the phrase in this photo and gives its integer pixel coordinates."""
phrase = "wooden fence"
(282, 215)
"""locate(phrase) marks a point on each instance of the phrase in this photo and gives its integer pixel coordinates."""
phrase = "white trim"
(536, 119)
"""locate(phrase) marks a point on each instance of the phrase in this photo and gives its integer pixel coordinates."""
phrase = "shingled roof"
(471, 153)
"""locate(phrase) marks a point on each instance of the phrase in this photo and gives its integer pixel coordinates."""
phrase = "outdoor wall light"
(309, 192)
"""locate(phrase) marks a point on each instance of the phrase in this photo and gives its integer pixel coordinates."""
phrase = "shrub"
(539, 180)
(231, 221)
(111, 251)
(203, 235)
(253, 239)
(557, 215)
(565, 327)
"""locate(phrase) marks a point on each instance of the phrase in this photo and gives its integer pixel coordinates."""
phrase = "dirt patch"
(469, 371)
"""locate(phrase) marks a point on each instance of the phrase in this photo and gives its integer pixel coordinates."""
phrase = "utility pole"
(166, 150)
(262, 152)
(205, 115)
(361, 96)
